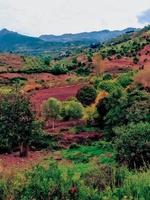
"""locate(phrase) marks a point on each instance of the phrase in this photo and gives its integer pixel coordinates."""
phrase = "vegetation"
(15, 123)
(92, 147)
(86, 95)
(52, 110)
(72, 110)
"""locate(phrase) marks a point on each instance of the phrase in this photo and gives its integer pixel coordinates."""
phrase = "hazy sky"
(36, 17)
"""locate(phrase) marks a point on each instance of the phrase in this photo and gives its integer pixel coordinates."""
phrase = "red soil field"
(125, 63)
(10, 61)
(115, 65)
(61, 93)
(10, 161)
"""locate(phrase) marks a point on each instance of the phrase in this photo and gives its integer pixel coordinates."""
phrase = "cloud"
(144, 17)
(36, 17)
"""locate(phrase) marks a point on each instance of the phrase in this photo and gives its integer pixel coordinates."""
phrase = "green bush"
(72, 110)
(86, 95)
(108, 85)
(107, 77)
(133, 143)
(58, 69)
(125, 79)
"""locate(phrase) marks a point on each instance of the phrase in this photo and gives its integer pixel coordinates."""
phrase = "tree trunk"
(24, 150)
(53, 127)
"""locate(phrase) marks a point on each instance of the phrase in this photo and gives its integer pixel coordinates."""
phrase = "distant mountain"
(13, 41)
(87, 37)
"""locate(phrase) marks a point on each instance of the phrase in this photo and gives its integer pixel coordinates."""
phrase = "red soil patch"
(11, 75)
(81, 138)
(116, 65)
(61, 93)
(144, 56)
(10, 61)
(9, 161)
(125, 63)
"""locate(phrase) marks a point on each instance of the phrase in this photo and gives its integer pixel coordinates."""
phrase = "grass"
(101, 151)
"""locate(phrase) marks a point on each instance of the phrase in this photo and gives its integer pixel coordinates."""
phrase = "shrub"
(107, 76)
(91, 115)
(132, 144)
(72, 110)
(58, 69)
(125, 79)
(86, 95)
(109, 85)
(51, 109)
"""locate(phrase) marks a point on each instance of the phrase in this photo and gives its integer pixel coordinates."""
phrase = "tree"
(86, 95)
(15, 123)
(98, 64)
(72, 110)
(52, 109)
(132, 144)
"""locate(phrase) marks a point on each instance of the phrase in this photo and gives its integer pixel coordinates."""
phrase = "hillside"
(87, 37)
(75, 123)
(15, 42)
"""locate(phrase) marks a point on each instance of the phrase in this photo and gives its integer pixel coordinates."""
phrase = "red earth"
(61, 93)
(125, 63)
(10, 61)
(10, 161)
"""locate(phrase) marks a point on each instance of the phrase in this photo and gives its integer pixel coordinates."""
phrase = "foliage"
(86, 153)
(108, 85)
(123, 107)
(58, 69)
(125, 79)
(91, 115)
(52, 109)
(86, 95)
(132, 144)
(15, 121)
(107, 76)
(72, 110)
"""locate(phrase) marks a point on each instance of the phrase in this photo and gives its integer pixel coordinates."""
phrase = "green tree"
(15, 123)
(51, 109)
(72, 110)
(132, 144)
(86, 95)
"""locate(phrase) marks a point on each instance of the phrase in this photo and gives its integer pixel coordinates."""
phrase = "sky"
(36, 17)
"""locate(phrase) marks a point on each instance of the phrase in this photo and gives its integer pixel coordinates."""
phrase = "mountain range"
(15, 42)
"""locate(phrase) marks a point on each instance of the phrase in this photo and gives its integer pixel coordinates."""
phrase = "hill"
(18, 43)
(13, 41)
(87, 37)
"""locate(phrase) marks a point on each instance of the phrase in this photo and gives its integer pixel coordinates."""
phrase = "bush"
(109, 85)
(86, 95)
(91, 115)
(58, 69)
(72, 110)
(132, 144)
(125, 79)
(107, 77)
